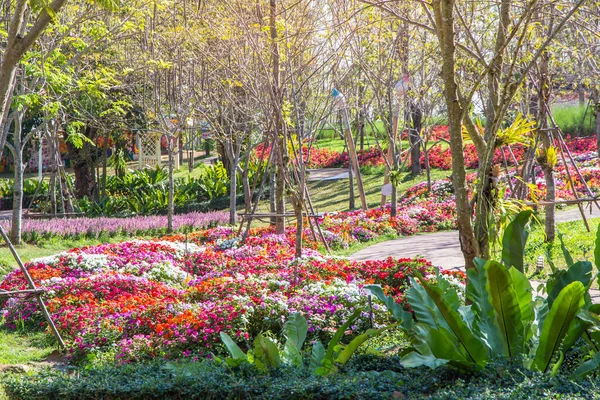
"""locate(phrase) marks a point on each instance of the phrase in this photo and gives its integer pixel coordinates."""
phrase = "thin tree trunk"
(351, 203)
(416, 116)
(278, 119)
(297, 203)
(234, 161)
(104, 163)
(596, 100)
(170, 205)
(15, 233)
(444, 18)
(545, 84)
(272, 182)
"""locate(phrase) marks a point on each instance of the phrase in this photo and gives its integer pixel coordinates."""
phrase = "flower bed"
(33, 229)
(168, 298)
(439, 155)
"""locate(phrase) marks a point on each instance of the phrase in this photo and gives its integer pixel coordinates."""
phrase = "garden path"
(441, 248)
(327, 174)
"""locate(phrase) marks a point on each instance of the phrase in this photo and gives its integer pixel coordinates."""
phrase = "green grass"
(359, 246)
(578, 241)
(333, 195)
(17, 347)
(570, 118)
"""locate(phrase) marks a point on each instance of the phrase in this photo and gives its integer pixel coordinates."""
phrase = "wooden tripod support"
(33, 290)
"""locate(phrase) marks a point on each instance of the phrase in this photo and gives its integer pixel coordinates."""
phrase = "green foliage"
(502, 320)
(556, 325)
(365, 377)
(145, 192)
(514, 240)
(265, 354)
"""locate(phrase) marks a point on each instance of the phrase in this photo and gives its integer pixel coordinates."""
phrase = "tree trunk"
(416, 116)
(82, 161)
(444, 18)
(272, 179)
(596, 100)
(278, 123)
(297, 203)
(581, 94)
(486, 193)
(104, 163)
(170, 205)
(351, 204)
(547, 168)
(15, 233)
(246, 186)
(234, 161)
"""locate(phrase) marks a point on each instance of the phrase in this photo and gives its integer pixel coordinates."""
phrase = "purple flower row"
(133, 225)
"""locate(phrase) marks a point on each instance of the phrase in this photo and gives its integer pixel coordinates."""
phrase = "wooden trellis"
(149, 149)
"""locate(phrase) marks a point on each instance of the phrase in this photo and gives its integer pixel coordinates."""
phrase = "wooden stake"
(390, 154)
(354, 160)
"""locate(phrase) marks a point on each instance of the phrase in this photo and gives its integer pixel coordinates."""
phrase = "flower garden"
(171, 298)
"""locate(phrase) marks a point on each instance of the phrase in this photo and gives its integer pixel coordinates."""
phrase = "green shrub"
(366, 377)
(502, 320)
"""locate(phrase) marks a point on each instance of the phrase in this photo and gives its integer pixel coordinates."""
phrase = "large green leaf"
(597, 249)
(351, 348)
(503, 297)
(557, 323)
(580, 271)
(400, 314)
(266, 353)
(589, 366)
(414, 359)
(522, 288)
(327, 365)
(424, 307)
(566, 253)
(514, 239)
(485, 323)
(295, 330)
(472, 346)
(317, 355)
(234, 350)
(443, 345)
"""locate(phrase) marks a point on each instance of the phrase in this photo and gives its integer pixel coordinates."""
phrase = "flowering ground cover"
(171, 297)
(439, 155)
(75, 228)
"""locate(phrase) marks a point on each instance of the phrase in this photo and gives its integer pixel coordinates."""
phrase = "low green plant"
(266, 355)
(501, 320)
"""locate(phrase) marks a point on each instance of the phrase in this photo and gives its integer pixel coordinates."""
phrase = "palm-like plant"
(502, 319)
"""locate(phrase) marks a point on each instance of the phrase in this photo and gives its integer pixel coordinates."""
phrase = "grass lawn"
(20, 347)
(577, 239)
(333, 195)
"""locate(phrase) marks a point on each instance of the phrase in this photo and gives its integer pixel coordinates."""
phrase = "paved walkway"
(443, 248)
(327, 174)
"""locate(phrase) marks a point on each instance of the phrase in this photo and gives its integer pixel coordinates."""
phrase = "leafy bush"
(502, 320)
(365, 377)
